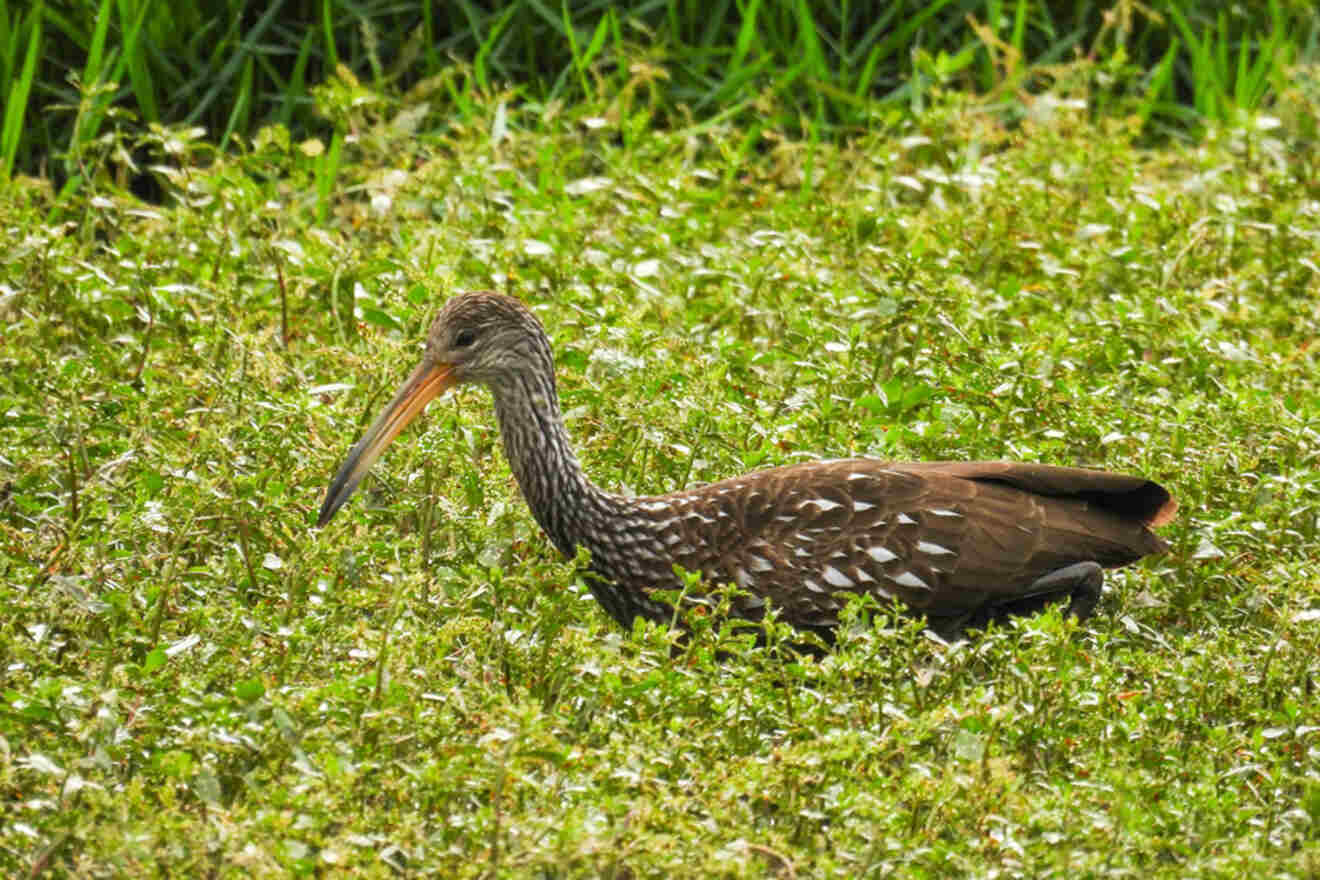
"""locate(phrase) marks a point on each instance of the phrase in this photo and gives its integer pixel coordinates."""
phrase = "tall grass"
(233, 65)
(15, 33)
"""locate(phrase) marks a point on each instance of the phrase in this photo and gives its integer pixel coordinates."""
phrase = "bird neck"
(564, 501)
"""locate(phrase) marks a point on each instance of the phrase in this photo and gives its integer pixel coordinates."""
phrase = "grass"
(197, 682)
(814, 68)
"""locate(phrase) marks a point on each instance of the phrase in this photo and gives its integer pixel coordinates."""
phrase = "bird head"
(483, 338)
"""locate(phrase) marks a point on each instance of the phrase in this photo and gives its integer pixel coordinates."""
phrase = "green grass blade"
(139, 71)
(1159, 83)
(809, 42)
(488, 43)
(1223, 69)
(327, 172)
(242, 104)
(16, 103)
(1247, 74)
(1018, 40)
(295, 88)
(328, 32)
(91, 72)
(746, 36)
(867, 74)
(1202, 65)
(10, 39)
(577, 58)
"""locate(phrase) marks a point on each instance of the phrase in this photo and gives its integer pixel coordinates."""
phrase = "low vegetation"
(198, 683)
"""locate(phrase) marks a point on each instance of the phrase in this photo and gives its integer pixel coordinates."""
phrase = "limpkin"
(952, 540)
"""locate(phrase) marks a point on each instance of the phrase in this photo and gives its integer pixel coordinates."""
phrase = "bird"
(952, 540)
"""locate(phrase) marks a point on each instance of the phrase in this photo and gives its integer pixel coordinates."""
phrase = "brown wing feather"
(945, 537)
(1130, 497)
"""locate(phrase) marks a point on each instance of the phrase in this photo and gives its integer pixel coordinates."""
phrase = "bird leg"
(1081, 581)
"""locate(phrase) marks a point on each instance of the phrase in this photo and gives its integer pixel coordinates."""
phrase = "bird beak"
(427, 382)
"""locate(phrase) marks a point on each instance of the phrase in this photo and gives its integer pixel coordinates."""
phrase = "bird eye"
(465, 338)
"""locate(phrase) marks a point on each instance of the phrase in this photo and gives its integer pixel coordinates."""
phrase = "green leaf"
(380, 318)
(154, 660)
(249, 690)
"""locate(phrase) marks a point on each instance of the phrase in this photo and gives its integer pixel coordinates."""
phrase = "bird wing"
(944, 537)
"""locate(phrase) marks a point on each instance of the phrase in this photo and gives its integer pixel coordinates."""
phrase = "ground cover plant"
(196, 682)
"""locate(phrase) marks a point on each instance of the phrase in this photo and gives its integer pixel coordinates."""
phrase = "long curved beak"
(428, 381)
